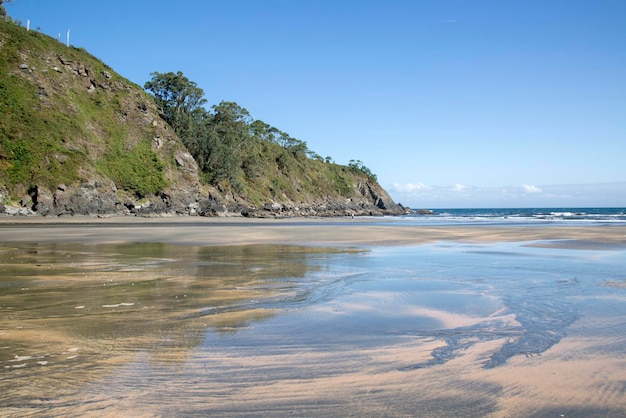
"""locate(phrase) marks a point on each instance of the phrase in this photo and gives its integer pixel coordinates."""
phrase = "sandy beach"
(215, 325)
(301, 231)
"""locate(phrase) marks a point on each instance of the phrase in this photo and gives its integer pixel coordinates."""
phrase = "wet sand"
(163, 364)
(307, 231)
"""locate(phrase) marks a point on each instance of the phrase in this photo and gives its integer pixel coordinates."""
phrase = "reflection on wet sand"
(273, 330)
(72, 313)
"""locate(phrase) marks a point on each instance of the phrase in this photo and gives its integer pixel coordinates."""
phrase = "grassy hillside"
(73, 130)
(65, 116)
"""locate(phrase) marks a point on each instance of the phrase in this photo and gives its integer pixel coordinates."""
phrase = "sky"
(451, 103)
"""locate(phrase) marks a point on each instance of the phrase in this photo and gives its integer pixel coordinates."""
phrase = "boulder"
(11, 210)
(185, 162)
(211, 206)
(96, 197)
(424, 212)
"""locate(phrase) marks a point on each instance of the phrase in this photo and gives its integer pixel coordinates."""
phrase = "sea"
(512, 216)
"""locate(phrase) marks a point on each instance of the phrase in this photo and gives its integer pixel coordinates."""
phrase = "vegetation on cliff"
(76, 137)
(62, 117)
(236, 152)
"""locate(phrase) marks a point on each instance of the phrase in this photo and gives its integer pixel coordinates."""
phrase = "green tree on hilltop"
(358, 166)
(230, 147)
(178, 98)
(225, 136)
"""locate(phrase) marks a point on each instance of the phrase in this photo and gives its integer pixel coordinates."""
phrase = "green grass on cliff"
(284, 177)
(31, 136)
(52, 131)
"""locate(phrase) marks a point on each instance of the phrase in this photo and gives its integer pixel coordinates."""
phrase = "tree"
(264, 132)
(260, 130)
(358, 166)
(229, 146)
(223, 145)
(178, 98)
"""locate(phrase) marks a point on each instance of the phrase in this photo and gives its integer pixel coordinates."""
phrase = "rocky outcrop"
(99, 196)
(369, 200)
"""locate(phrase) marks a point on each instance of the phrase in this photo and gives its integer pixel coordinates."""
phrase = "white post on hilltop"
(68, 39)
(27, 25)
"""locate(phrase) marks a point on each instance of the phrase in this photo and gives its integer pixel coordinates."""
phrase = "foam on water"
(511, 216)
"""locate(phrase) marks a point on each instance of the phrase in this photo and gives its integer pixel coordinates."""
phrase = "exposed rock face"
(96, 197)
(371, 200)
(99, 196)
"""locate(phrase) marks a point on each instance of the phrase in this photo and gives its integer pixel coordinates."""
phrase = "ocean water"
(444, 329)
(513, 216)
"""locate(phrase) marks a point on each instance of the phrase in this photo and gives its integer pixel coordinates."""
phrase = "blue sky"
(452, 103)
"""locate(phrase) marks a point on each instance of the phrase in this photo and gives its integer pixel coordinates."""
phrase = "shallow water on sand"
(513, 329)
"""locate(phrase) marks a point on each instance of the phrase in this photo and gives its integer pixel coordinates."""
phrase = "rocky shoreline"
(101, 198)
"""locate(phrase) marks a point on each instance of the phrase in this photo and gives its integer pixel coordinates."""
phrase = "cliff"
(78, 138)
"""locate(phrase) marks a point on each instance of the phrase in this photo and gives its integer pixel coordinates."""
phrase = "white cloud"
(420, 195)
(408, 187)
(529, 188)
